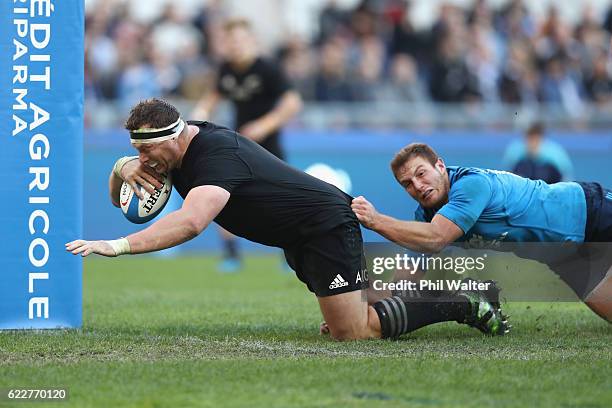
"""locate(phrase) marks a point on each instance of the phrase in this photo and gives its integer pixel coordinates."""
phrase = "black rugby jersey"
(271, 202)
(254, 92)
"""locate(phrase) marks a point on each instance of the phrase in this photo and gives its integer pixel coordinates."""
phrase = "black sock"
(399, 315)
(230, 248)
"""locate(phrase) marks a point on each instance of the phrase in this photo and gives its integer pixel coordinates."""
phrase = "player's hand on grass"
(135, 173)
(323, 329)
(365, 211)
(85, 248)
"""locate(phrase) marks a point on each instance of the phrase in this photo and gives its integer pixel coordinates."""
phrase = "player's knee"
(599, 299)
(602, 309)
(348, 332)
(344, 335)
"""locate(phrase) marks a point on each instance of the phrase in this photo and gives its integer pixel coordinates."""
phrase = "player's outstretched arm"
(200, 207)
(429, 237)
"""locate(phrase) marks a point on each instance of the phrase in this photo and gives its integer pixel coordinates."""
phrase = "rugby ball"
(140, 211)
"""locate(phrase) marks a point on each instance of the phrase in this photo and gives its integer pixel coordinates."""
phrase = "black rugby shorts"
(585, 269)
(332, 263)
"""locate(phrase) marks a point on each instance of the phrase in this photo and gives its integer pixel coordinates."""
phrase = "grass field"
(174, 333)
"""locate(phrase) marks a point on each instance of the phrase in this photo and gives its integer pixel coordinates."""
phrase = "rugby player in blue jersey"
(464, 203)
(233, 181)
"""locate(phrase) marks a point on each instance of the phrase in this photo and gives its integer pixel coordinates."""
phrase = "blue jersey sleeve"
(419, 214)
(467, 199)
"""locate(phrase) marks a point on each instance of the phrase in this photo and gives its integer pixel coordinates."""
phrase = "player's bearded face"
(428, 184)
(158, 156)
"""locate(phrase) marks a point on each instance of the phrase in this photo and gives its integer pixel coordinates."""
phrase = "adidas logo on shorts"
(338, 282)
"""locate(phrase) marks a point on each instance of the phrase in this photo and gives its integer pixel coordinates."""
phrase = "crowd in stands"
(370, 53)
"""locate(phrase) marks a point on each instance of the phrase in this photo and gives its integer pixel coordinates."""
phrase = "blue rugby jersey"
(497, 206)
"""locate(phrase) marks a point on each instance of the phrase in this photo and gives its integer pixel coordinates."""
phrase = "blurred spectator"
(101, 55)
(598, 84)
(560, 87)
(590, 41)
(538, 158)
(172, 34)
(263, 98)
(607, 25)
(299, 63)
(195, 73)
(404, 37)
(369, 59)
(479, 53)
(482, 59)
(365, 21)
(138, 81)
(101, 49)
(451, 22)
(403, 84)
(518, 82)
(515, 22)
(554, 37)
(332, 82)
(332, 20)
(451, 80)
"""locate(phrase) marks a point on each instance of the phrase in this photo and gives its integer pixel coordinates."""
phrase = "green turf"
(174, 333)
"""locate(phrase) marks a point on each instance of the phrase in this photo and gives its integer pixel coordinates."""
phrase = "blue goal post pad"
(41, 159)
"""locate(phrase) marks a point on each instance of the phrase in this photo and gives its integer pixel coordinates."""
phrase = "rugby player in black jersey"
(263, 101)
(231, 180)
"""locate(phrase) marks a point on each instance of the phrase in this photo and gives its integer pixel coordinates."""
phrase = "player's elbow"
(439, 235)
(435, 244)
(194, 226)
(426, 246)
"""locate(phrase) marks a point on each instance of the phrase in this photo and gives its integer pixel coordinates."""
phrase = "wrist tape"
(120, 163)
(120, 246)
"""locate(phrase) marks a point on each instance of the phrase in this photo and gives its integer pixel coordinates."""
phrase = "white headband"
(142, 136)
